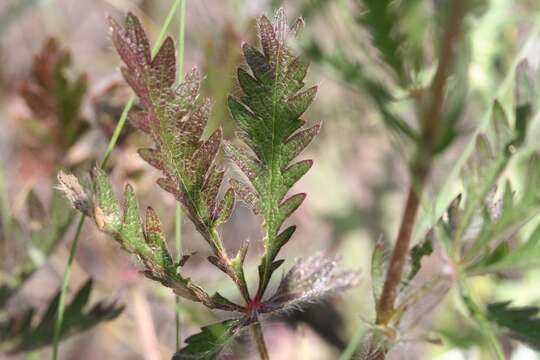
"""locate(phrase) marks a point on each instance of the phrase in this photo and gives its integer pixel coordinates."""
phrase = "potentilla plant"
(271, 135)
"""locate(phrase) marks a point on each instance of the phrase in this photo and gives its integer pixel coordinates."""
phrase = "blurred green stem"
(477, 313)
(256, 330)
(112, 143)
(431, 121)
(178, 217)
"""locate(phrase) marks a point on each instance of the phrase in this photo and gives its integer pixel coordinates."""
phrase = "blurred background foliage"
(356, 187)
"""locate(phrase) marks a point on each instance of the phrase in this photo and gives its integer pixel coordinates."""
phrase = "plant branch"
(420, 169)
(401, 250)
(112, 143)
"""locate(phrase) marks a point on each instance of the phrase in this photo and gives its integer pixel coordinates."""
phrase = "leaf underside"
(175, 118)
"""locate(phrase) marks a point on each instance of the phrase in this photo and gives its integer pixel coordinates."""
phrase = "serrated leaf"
(225, 208)
(131, 228)
(175, 119)
(501, 126)
(155, 238)
(146, 243)
(106, 211)
(207, 344)
(268, 116)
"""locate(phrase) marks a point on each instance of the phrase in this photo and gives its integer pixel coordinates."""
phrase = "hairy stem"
(110, 147)
(420, 171)
(256, 330)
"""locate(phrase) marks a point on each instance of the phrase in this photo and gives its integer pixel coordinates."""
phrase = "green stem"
(478, 314)
(108, 152)
(178, 218)
(256, 330)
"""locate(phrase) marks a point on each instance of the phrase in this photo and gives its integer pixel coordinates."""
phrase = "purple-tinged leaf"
(225, 208)
(249, 164)
(247, 195)
(298, 142)
(164, 63)
(211, 186)
(176, 120)
(257, 63)
(147, 243)
(299, 103)
(205, 156)
(152, 156)
(140, 120)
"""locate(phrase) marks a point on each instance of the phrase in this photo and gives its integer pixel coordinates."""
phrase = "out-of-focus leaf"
(207, 344)
(46, 229)
(522, 323)
(383, 22)
(356, 76)
(23, 333)
(378, 270)
(54, 97)
(417, 253)
(525, 256)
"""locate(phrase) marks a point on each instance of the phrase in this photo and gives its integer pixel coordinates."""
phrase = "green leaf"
(507, 218)
(417, 253)
(207, 344)
(356, 75)
(377, 270)
(525, 256)
(383, 25)
(268, 116)
(46, 229)
(146, 242)
(522, 323)
(22, 333)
